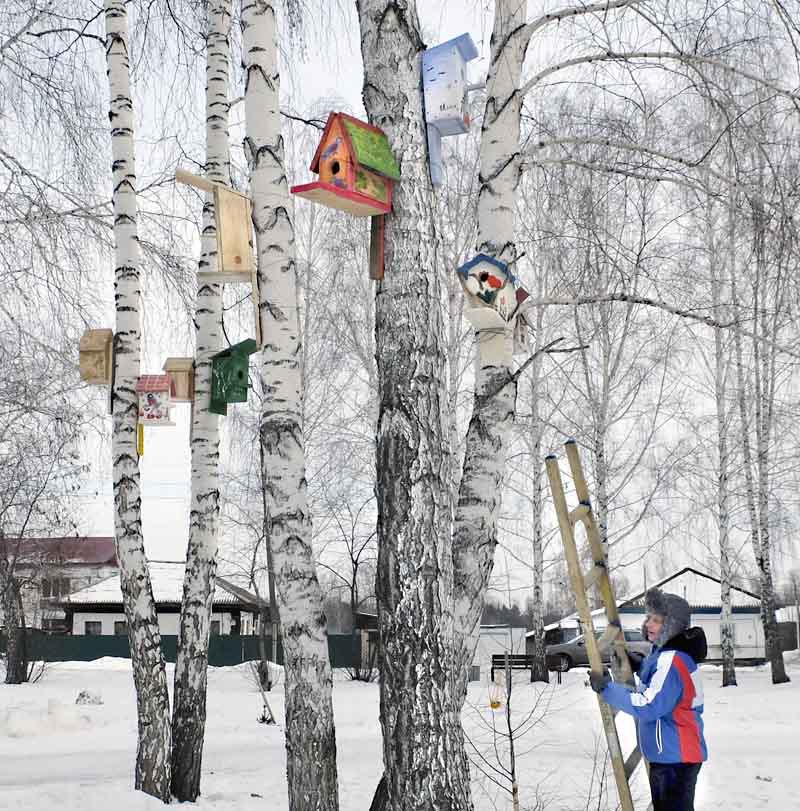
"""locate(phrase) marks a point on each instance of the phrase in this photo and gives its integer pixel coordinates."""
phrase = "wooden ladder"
(581, 582)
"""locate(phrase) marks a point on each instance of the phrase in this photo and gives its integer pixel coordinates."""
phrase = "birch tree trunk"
(191, 664)
(488, 435)
(423, 750)
(152, 698)
(723, 464)
(310, 733)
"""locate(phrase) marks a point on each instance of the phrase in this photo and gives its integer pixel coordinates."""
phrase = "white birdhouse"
(494, 304)
(155, 395)
(444, 82)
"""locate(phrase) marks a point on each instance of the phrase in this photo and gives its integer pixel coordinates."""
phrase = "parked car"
(573, 653)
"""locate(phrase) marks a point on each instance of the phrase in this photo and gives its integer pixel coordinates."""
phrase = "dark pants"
(672, 785)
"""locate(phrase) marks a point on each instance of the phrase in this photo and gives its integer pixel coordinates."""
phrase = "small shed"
(356, 168)
(493, 640)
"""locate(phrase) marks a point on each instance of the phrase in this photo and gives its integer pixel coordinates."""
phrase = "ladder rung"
(578, 513)
(632, 761)
(593, 575)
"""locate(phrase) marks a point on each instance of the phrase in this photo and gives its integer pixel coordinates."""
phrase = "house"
(493, 640)
(50, 568)
(702, 591)
(98, 610)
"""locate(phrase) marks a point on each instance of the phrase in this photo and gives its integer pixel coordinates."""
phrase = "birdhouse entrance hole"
(335, 168)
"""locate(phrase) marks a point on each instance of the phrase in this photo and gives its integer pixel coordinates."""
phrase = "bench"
(516, 661)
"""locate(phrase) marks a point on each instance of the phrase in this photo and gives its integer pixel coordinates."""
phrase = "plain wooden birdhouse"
(229, 376)
(95, 352)
(356, 168)
(155, 395)
(181, 370)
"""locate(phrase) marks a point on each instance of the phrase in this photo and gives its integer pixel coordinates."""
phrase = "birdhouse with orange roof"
(156, 393)
(356, 168)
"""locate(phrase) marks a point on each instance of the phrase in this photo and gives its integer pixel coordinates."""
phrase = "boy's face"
(654, 623)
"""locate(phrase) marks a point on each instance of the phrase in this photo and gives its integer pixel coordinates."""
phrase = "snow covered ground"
(56, 755)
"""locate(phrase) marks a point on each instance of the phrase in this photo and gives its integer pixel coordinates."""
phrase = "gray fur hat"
(675, 610)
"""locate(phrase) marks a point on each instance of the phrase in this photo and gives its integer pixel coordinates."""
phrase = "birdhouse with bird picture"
(496, 306)
(229, 376)
(356, 168)
(156, 393)
(95, 356)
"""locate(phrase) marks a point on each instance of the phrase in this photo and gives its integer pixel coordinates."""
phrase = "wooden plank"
(188, 179)
(234, 232)
(585, 614)
(227, 277)
(358, 205)
(377, 242)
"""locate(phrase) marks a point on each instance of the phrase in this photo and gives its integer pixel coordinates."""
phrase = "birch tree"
(310, 734)
(152, 699)
(191, 664)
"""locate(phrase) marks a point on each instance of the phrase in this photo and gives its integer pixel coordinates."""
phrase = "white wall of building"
(167, 623)
(495, 640)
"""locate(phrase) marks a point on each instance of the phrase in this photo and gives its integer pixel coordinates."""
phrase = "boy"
(667, 702)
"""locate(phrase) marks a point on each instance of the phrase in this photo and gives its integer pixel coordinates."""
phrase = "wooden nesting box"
(233, 214)
(95, 353)
(181, 370)
(229, 376)
(155, 394)
(356, 168)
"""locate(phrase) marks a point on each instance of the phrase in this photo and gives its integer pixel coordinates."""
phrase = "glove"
(599, 681)
(635, 658)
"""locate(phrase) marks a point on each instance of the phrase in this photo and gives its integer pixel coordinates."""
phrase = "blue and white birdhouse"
(495, 305)
(444, 82)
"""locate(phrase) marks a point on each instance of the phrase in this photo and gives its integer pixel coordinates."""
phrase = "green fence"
(344, 649)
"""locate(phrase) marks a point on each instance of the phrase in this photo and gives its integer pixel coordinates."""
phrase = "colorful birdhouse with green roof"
(229, 376)
(356, 168)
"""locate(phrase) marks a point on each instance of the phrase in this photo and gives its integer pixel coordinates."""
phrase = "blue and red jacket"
(668, 701)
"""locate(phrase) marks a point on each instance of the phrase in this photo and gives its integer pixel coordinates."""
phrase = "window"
(120, 628)
(214, 627)
(634, 636)
(65, 587)
(45, 587)
(93, 628)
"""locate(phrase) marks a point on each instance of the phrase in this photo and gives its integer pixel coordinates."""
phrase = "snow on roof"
(166, 577)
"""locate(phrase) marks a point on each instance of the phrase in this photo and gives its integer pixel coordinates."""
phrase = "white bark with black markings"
(191, 665)
(152, 699)
(310, 733)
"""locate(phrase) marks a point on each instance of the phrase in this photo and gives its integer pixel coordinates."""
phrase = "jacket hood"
(692, 641)
(675, 611)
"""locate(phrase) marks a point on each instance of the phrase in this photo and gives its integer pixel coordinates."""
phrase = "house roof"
(61, 550)
(166, 577)
(637, 599)
(368, 145)
(484, 257)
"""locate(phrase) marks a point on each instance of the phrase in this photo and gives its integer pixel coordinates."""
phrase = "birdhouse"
(491, 292)
(181, 370)
(155, 393)
(229, 376)
(233, 215)
(95, 352)
(496, 305)
(356, 168)
(445, 88)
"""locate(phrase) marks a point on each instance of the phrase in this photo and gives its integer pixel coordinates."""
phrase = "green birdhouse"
(229, 376)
